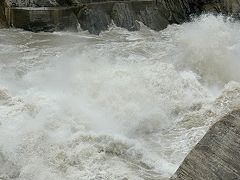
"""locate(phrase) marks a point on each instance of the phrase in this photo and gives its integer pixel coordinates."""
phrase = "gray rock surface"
(217, 155)
(93, 20)
(178, 10)
(228, 7)
(123, 16)
(154, 18)
(97, 14)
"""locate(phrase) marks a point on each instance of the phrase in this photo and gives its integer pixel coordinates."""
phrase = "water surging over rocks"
(119, 105)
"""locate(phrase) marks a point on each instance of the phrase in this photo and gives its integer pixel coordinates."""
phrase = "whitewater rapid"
(122, 105)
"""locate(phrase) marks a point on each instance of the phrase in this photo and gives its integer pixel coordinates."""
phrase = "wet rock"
(93, 20)
(123, 16)
(233, 6)
(178, 10)
(212, 8)
(217, 155)
(97, 15)
(227, 7)
(153, 18)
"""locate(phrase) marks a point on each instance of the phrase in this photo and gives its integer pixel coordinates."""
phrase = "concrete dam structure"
(41, 18)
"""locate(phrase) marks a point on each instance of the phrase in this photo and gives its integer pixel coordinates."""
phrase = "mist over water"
(122, 105)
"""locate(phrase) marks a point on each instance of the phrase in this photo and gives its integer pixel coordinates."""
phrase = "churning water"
(122, 105)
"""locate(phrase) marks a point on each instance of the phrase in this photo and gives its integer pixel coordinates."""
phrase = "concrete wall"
(42, 19)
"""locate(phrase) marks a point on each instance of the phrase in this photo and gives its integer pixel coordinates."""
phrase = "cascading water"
(122, 105)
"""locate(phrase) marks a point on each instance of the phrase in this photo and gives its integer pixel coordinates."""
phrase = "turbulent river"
(122, 105)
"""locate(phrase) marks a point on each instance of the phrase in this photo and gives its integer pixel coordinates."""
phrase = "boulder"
(178, 10)
(93, 20)
(153, 18)
(217, 155)
(123, 16)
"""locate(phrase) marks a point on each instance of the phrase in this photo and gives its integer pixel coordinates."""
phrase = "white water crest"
(122, 105)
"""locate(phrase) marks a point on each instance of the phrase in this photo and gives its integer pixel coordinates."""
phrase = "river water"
(122, 105)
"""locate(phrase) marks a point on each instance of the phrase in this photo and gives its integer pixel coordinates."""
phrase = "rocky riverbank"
(93, 16)
(96, 16)
(217, 155)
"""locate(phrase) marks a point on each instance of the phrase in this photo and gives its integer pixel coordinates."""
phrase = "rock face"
(92, 20)
(154, 18)
(96, 15)
(124, 17)
(228, 7)
(217, 155)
